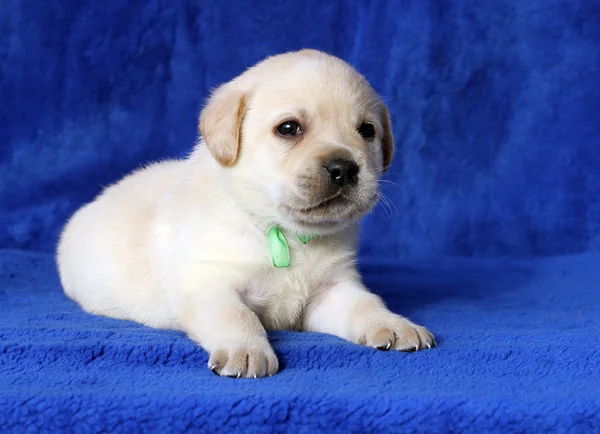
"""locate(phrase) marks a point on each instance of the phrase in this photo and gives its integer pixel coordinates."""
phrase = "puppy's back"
(105, 255)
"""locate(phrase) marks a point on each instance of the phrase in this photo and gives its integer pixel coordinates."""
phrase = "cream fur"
(183, 244)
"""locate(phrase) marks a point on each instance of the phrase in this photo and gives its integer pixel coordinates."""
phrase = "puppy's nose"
(341, 171)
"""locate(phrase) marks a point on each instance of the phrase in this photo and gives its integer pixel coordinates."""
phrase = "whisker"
(391, 203)
(385, 205)
(389, 182)
(380, 170)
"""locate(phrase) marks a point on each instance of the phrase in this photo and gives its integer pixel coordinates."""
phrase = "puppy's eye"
(289, 128)
(367, 131)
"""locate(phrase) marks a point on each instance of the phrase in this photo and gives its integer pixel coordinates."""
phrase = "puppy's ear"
(387, 141)
(220, 124)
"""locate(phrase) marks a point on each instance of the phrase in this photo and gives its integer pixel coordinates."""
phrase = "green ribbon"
(280, 251)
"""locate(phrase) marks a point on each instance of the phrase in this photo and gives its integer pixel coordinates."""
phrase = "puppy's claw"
(385, 347)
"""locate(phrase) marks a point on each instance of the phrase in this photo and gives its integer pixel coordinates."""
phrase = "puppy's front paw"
(397, 333)
(249, 362)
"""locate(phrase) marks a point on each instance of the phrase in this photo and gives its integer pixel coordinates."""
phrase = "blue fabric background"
(492, 240)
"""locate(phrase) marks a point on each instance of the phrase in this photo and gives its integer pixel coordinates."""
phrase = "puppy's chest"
(279, 295)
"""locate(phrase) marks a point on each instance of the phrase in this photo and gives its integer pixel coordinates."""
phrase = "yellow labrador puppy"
(257, 229)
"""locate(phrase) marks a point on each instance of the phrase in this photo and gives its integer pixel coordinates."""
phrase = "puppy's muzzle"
(342, 171)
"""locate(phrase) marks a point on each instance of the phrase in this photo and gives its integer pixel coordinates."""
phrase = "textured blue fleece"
(519, 352)
(496, 109)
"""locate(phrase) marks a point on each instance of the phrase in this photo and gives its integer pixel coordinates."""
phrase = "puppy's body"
(183, 244)
(125, 254)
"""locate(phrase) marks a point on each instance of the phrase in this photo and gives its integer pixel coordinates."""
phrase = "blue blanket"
(491, 237)
(518, 353)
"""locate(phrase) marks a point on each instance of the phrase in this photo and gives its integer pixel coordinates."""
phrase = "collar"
(280, 251)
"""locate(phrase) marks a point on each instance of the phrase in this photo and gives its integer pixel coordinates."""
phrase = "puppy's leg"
(212, 313)
(348, 310)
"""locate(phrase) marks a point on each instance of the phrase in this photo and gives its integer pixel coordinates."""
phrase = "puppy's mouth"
(332, 211)
(336, 198)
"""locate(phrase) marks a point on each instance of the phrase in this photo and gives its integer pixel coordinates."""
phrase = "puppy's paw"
(397, 333)
(246, 362)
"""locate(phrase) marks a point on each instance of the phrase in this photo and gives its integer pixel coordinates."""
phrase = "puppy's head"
(302, 139)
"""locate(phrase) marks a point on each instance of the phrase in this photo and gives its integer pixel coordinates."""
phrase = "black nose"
(341, 171)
